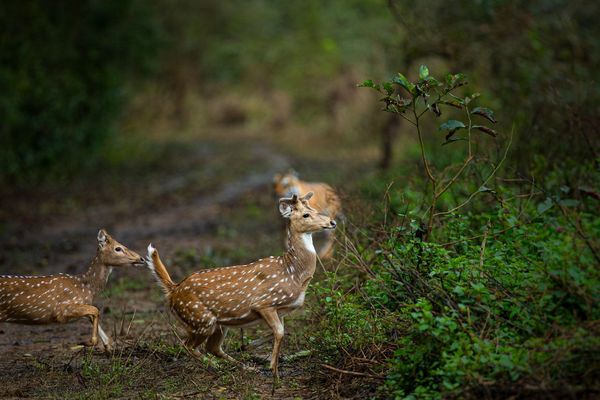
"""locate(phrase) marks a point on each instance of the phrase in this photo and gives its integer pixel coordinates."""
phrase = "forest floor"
(203, 203)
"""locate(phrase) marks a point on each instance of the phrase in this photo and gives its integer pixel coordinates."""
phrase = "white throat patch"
(307, 240)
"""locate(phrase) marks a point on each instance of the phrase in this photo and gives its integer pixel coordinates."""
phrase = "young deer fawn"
(210, 301)
(63, 298)
(325, 201)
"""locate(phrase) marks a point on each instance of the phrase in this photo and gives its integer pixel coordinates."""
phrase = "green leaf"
(423, 72)
(455, 80)
(387, 86)
(545, 205)
(484, 112)
(369, 84)
(485, 129)
(431, 81)
(402, 81)
(454, 104)
(451, 126)
(569, 202)
(448, 141)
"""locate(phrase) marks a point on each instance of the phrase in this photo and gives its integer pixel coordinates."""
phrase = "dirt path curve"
(73, 235)
(32, 359)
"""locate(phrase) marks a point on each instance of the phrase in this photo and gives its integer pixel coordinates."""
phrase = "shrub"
(63, 67)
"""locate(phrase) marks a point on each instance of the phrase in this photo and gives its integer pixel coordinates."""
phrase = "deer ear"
(307, 196)
(102, 238)
(285, 209)
(286, 205)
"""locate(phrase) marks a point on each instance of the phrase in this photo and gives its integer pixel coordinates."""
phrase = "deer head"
(302, 217)
(114, 254)
(286, 184)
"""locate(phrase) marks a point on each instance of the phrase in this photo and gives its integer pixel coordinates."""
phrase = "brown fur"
(63, 298)
(210, 301)
(325, 201)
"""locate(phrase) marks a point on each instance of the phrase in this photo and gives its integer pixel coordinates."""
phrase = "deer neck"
(96, 276)
(300, 260)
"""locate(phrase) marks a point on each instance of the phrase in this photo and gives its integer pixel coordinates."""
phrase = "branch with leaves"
(413, 100)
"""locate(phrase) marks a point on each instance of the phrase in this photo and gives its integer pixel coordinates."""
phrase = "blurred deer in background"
(325, 200)
(62, 298)
(210, 301)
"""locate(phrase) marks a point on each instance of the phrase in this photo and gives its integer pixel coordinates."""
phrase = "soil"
(202, 204)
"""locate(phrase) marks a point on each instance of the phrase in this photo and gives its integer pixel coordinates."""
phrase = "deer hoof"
(90, 343)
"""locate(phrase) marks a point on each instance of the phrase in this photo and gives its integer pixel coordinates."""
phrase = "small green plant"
(413, 101)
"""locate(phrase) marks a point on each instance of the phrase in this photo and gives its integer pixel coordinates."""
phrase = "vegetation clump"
(484, 290)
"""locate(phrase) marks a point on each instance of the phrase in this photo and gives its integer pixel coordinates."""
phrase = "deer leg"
(326, 250)
(75, 311)
(104, 338)
(200, 321)
(213, 346)
(272, 319)
(193, 341)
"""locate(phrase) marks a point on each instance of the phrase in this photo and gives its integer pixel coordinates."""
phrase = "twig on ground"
(342, 371)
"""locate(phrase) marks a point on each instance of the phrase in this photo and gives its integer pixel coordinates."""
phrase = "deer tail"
(159, 270)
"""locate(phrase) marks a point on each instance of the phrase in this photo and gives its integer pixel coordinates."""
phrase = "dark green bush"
(515, 306)
(63, 71)
(500, 299)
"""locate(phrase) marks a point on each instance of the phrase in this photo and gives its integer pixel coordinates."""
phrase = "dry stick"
(578, 228)
(465, 163)
(342, 371)
(580, 232)
(482, 251)
(427, 170)
(386, 197)
(517, 225)
(484, 182)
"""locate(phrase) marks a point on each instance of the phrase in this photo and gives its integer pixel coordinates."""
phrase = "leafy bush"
(514, 307)
(481, 312)
(501, 301)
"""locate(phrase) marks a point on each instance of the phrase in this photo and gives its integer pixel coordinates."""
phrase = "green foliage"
(516, 303)
(297, 47)
(400, 96)
(535, 60)
(482, 314)
(63, 68)
(348, 322)
(504, 295)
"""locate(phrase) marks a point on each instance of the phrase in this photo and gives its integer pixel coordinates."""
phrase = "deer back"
(234, 292)
(39, 299)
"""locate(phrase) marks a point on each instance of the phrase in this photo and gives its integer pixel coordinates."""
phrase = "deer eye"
(118, 249)
(306, 215)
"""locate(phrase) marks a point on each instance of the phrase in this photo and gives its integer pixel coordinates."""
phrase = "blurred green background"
(79, 76)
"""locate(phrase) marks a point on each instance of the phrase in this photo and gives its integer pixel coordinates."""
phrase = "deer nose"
(333, 224)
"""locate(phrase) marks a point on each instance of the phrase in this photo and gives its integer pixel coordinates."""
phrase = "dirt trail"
(180, 223)
(40, 361)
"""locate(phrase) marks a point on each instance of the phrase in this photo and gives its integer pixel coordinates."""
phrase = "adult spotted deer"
(325, 201)
(210, 301)
(63, 298)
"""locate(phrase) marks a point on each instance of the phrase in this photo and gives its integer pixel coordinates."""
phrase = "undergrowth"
(512, 311)
(492, 299)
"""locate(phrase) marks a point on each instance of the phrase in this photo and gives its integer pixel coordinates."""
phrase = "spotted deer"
(62, 298)
(210, 301)
(325, 201)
